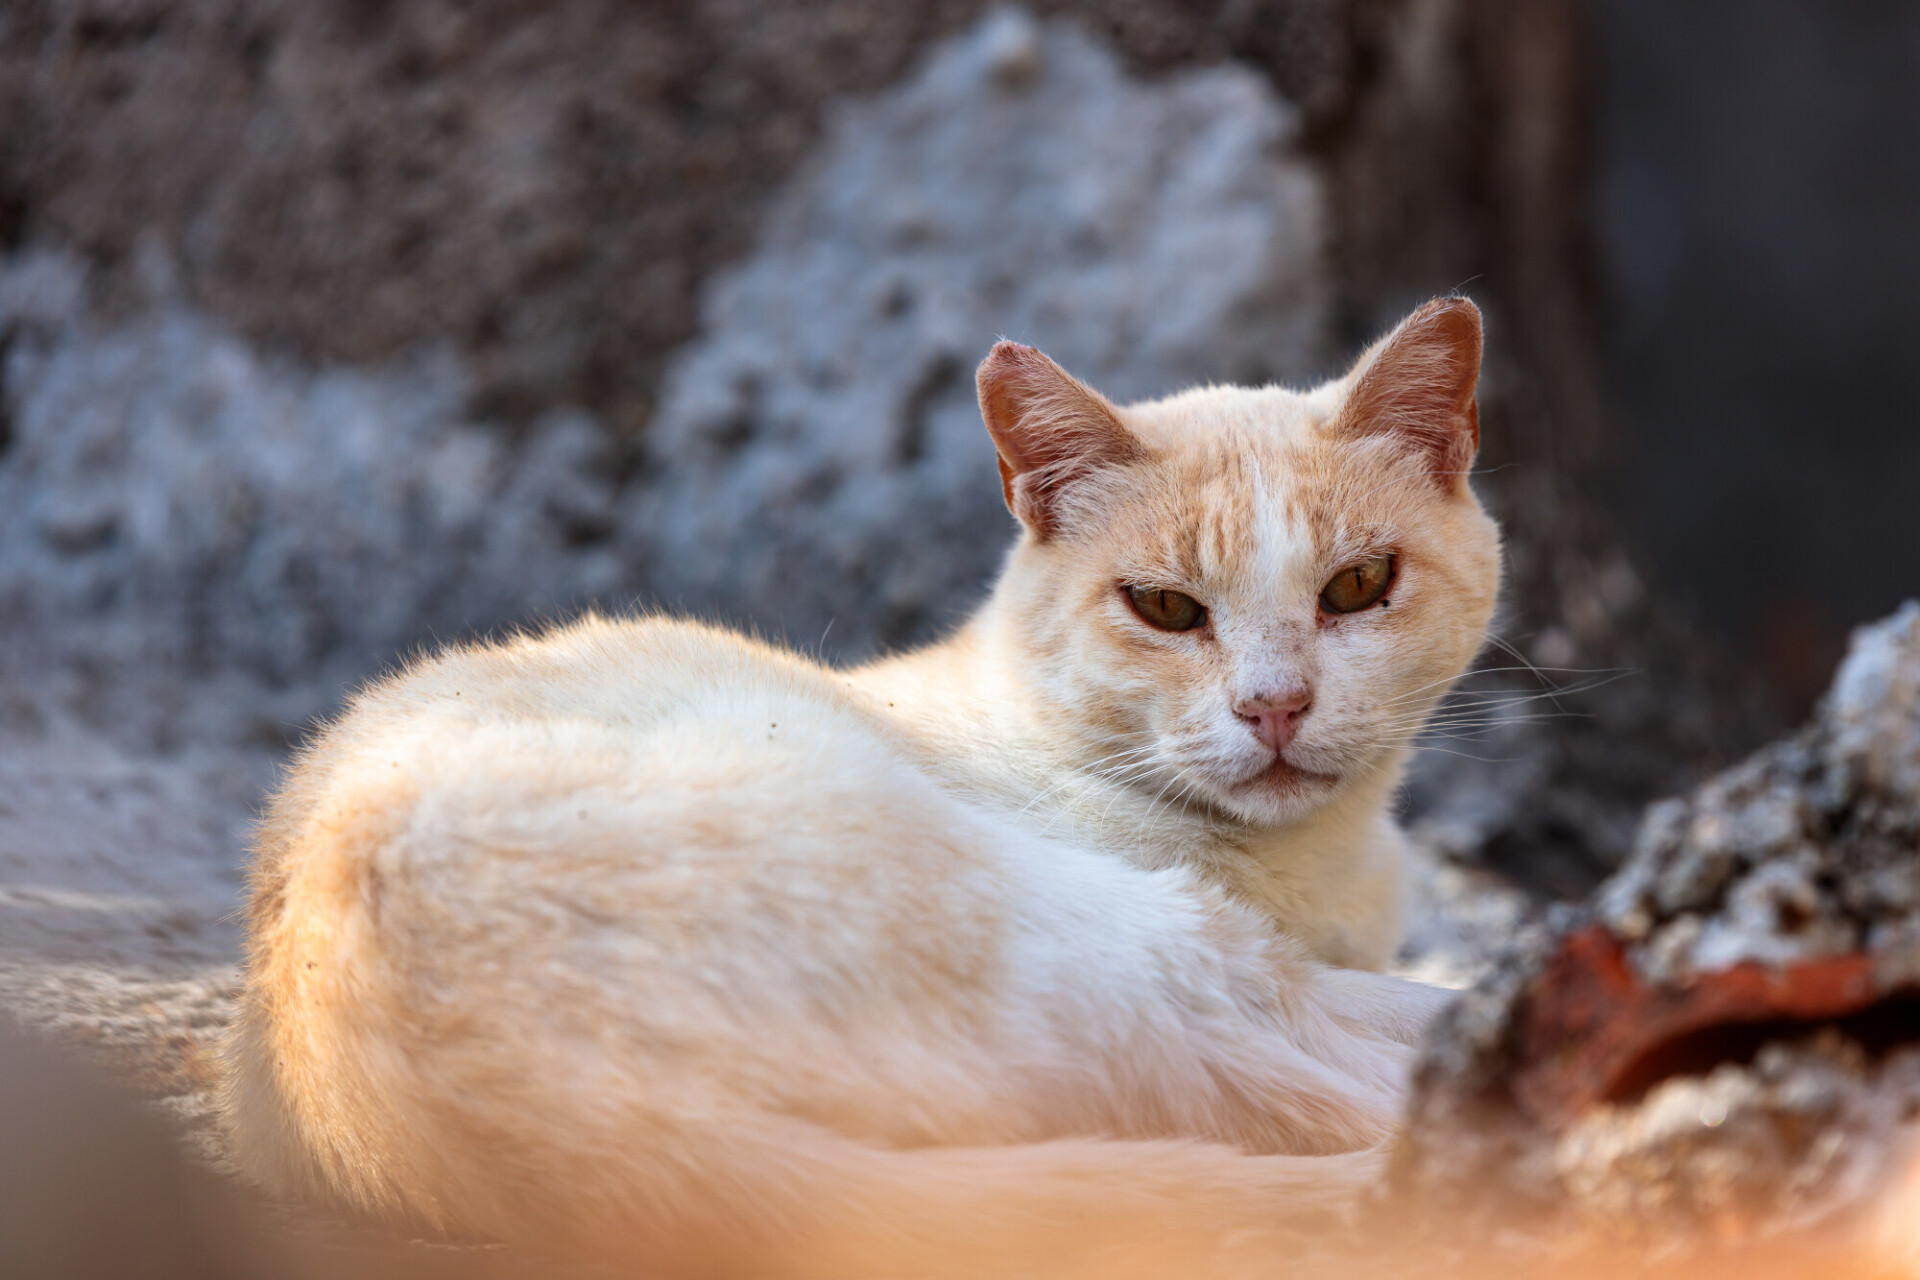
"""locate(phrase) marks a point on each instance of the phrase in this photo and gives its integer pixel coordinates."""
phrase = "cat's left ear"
(1052, 431)
(1418, 385)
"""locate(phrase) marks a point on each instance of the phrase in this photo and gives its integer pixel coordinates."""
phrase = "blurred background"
(334, 328)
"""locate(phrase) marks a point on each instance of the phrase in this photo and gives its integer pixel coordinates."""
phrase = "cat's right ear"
(1051, 430)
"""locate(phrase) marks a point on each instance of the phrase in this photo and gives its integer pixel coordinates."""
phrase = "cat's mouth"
(1285, 778)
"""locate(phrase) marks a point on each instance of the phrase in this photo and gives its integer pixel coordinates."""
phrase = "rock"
(819, 451)
(548, 186)
(1782, 1141)
(200, 541)
(1731, 1036)
(1804, 850)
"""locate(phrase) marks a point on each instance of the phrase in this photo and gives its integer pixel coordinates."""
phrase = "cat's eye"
(1358, 586)
(1167, 610)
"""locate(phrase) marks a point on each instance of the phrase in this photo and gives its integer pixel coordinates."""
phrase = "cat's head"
(1248, 598)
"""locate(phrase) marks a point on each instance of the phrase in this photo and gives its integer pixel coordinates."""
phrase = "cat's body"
(641, 939)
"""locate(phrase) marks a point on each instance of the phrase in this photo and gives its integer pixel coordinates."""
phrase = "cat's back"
(479, 809)
(629, 672)
(595, 678)
(508, 729)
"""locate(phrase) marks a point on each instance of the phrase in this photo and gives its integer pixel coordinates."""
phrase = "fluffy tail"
(825, 1208)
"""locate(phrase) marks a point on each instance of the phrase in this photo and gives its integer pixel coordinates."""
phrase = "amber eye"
(1167, 610)
(1358, 586)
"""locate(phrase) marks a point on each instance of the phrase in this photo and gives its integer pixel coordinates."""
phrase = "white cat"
(643, 940)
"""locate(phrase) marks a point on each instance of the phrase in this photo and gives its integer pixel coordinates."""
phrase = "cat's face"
(1244, 598)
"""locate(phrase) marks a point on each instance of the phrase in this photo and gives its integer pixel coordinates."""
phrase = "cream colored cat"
(641, 939)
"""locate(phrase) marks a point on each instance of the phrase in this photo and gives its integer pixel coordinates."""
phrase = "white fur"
(642, 940)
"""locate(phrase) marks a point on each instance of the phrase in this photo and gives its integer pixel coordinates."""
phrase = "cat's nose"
(1275, 717)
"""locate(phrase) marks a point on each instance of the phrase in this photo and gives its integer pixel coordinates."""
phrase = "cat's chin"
(1282, 792)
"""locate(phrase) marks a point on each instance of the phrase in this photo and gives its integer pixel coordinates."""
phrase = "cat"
(1049, 947)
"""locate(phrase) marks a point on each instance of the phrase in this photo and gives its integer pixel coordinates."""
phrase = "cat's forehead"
(1204, 418)
(1253, 490)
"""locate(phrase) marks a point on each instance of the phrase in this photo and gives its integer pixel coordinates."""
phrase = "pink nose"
(1275, 717)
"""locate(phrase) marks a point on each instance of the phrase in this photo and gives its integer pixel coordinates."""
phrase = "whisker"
(1611, 674)
(1468, 755)
(1505, 713)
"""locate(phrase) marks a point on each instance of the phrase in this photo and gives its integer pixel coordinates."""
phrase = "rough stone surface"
(1810, 848)
(1769, 1148)
(547, 185)
(820, 455)
(199, 540)
(1727, 1039)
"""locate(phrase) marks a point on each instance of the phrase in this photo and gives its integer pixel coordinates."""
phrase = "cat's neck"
(985, 727)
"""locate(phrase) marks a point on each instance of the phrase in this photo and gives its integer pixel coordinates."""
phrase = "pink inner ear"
(1050, 429)
(1418, 384)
